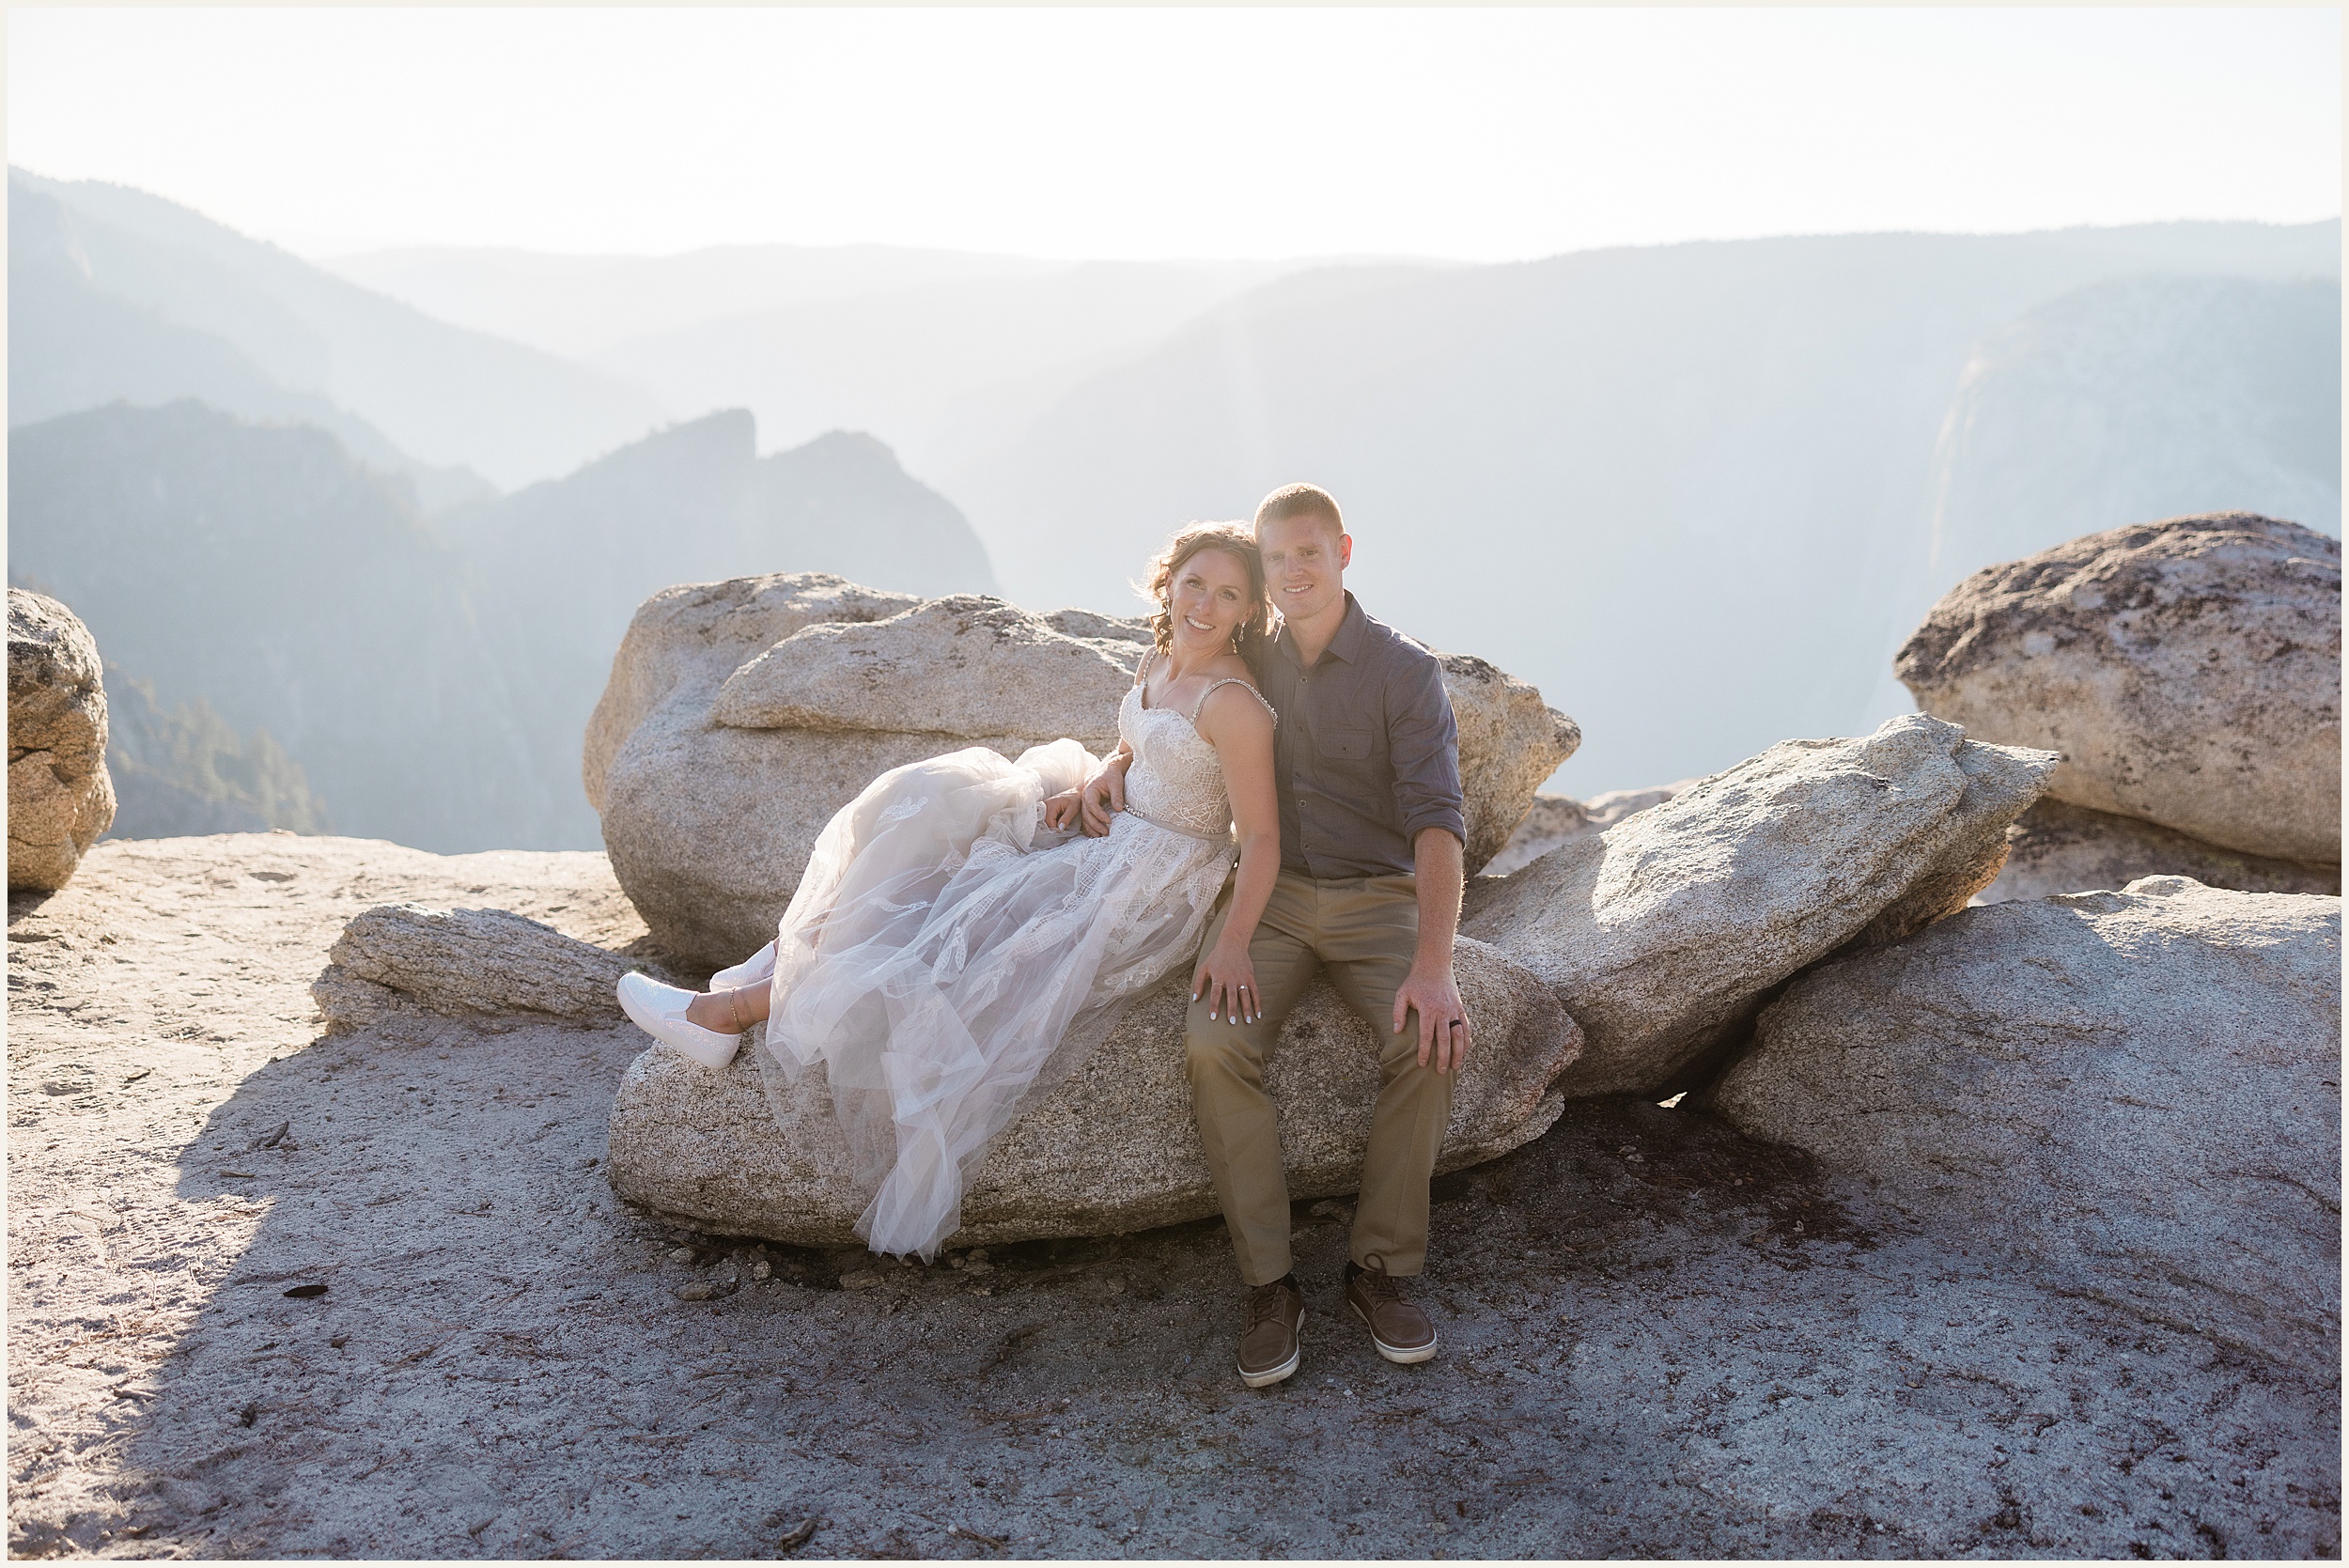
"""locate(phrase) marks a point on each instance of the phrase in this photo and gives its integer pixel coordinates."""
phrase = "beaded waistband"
(1225, 837)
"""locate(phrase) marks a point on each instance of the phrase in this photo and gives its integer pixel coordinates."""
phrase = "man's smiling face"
(1305, 560)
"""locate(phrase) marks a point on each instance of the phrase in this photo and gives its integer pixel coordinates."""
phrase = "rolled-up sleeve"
(1424, 742)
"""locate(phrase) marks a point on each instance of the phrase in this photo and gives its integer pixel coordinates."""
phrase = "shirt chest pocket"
(1349, 748)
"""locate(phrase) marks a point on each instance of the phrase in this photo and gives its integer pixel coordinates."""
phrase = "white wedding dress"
(946, 956)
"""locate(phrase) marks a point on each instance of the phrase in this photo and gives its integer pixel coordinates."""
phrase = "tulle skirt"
(947, 956)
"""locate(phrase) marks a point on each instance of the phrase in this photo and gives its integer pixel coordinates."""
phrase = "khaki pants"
(1362, 932)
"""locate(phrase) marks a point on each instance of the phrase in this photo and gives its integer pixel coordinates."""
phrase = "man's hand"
(1104, 795)
(1431, 988)
(1445, 1033)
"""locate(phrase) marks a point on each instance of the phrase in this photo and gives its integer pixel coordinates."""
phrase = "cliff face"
(2142, 397)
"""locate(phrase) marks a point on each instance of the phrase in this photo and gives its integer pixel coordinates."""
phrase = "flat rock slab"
(1660, 1340)
(1660, 934)
(1554, 819)
(2058, 847)
(490, 965)
(2138, 1093)
(2188, 670)
(1115, 1149)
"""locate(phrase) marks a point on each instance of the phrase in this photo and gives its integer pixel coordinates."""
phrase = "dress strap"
(1230, 680)
(1142, 674)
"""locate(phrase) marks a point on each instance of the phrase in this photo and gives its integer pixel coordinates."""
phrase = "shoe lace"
(1376, 1284)
(1263, 1304)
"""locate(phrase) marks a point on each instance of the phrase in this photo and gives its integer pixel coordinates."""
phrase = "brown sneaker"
(1401, 1331)
(1267, 1344)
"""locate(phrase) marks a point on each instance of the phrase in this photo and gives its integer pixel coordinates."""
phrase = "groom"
(1367, 768)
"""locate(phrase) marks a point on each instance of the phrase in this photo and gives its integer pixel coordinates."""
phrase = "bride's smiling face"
(1208, 601)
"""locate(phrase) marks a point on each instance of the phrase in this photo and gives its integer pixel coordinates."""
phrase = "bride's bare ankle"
(729, 1012)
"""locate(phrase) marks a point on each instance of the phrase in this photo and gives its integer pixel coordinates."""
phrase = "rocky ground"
(1660, 1338)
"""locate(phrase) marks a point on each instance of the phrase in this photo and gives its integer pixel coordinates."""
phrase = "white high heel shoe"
(750, 971)
(659, 1010)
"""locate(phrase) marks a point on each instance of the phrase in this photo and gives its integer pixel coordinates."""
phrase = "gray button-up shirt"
(1366, 753)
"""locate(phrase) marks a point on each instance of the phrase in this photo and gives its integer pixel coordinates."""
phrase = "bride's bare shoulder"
(1233, 699)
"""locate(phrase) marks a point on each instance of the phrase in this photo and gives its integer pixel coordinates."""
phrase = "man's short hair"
(1298, 500)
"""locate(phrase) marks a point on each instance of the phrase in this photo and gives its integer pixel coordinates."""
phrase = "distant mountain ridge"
(564, 563)
(943, 369)
(261, 571)
(441, 395)
(72, 345)
(1686, 491)
(580, 306)
(942, 354)
(1697, 493)
(424, 683)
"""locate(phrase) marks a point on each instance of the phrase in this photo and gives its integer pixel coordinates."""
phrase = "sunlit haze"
(1476, 135)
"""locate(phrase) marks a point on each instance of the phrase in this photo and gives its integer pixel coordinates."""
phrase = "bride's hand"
(1104, 795)
(1063, 811)
(1226, 979)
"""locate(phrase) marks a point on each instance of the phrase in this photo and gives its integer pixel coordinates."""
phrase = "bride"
(963, 936)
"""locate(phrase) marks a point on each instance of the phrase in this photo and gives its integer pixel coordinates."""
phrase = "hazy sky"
(1482, 134)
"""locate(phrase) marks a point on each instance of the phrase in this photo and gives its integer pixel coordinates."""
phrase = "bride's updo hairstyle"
(1236, 540)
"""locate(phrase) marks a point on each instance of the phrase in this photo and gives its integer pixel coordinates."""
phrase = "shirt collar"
(1346, 644)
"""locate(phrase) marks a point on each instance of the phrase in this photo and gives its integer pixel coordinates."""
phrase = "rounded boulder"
(61, 800)
(2188, 670)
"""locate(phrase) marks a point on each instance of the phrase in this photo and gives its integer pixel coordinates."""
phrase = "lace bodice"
(1176, 781)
